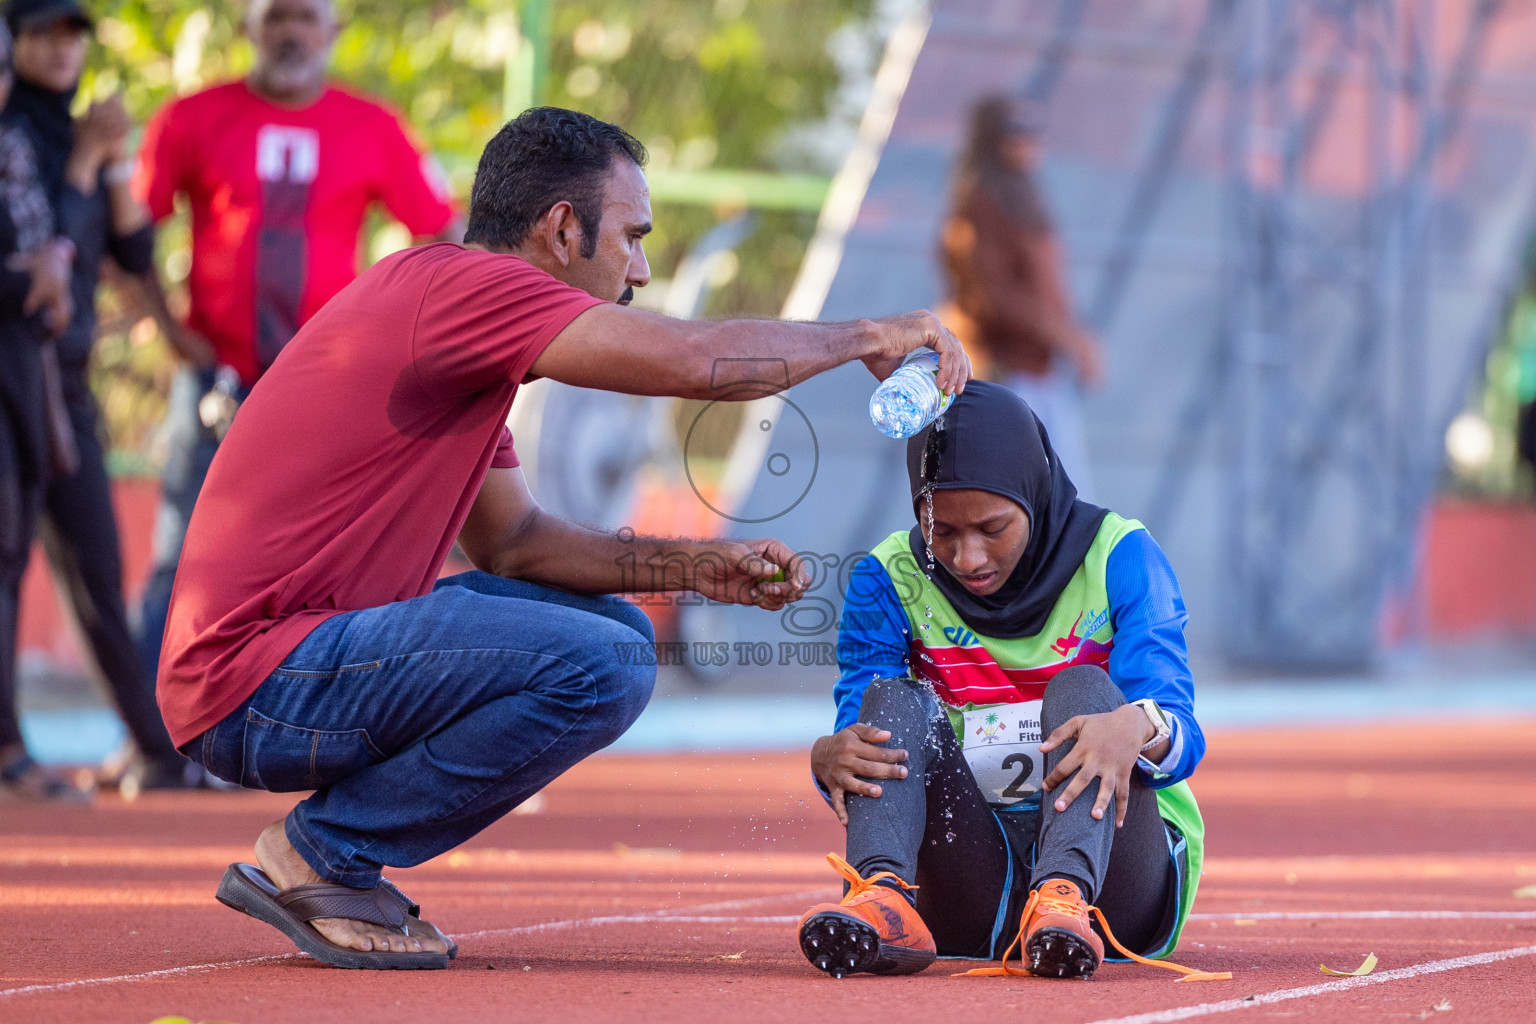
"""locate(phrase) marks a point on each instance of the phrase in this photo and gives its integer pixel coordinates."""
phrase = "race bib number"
(1002, 745)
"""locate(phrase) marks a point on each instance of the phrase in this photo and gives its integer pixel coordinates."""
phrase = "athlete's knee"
(889, 693)
(1079, 690)
(895, 704)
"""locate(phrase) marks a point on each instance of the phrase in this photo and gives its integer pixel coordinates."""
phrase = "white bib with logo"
(1001, 743)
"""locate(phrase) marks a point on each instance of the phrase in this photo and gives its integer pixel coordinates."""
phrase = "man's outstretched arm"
(508, 534)
(618, 348)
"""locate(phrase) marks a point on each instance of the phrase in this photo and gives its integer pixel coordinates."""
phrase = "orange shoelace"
(1053, 904)
(858, 884)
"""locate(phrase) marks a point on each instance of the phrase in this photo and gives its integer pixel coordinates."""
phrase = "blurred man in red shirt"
(278, 171)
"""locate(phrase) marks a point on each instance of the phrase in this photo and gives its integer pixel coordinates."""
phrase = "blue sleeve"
(873, 639)
(873, 642)
(1150, 658)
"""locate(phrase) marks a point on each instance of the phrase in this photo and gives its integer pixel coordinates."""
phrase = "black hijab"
(990, 440)
(45, 115)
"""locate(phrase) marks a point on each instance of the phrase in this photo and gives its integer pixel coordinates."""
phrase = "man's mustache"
(628, 296)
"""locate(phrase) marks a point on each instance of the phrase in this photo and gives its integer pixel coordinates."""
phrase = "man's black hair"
(543, 156)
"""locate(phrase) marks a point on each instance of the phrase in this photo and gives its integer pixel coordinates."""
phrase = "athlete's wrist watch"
(1163, 728)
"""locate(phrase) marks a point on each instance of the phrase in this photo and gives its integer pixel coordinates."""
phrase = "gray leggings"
(974, 867)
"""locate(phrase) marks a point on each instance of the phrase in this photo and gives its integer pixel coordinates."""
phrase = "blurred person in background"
(279, 171)
(1008, 301)
(83, 168)
(34, 308)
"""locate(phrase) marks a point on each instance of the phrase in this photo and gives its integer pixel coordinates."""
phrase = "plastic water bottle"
(909, 399)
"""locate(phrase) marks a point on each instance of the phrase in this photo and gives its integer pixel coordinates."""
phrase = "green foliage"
(703, 85)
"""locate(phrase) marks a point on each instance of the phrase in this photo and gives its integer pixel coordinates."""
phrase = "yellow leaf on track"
(1526, 892)
(1366, 968)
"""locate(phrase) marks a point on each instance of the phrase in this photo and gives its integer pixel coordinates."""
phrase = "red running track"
(664, 888)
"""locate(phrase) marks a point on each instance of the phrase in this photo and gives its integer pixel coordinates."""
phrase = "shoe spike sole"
(1058, 953)
(841, 946)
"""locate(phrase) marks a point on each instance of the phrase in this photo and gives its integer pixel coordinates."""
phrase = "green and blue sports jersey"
(1146, 655)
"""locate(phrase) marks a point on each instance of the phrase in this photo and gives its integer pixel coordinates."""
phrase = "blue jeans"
(420, 723)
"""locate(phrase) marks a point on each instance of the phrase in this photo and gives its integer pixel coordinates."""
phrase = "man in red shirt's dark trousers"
(278, 171)
(311, 645)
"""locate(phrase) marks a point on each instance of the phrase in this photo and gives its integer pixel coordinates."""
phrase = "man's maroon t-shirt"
(351, 468)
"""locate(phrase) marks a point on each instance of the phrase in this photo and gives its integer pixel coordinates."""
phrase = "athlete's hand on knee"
(849, 758)
(1106, 749)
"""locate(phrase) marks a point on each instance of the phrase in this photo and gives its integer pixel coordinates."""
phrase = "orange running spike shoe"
(1059, 941)
(873, 929)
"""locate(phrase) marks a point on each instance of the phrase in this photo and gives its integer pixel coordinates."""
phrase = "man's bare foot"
(282, 863)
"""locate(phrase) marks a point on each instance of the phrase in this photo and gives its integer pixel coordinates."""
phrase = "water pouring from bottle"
(909, 399)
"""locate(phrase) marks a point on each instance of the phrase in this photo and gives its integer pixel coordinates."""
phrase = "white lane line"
(767, 919)
(1324, 988)
(658, 918)
(681, 915)
(1373, 915)
(753, 901)
(660, 915)
(169, 972)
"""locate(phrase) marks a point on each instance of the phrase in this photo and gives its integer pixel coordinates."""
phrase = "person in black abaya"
(34, 308)
(84, 169)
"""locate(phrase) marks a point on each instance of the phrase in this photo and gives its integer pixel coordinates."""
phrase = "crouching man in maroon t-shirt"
(310, 643)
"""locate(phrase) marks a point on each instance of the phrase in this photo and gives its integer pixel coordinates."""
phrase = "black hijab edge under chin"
(989, 418)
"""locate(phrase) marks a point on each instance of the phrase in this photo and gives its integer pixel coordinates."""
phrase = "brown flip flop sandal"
(247, 888)
(428, 929)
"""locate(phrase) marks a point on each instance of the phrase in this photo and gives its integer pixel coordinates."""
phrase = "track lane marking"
(660, 915)
(691, 915)
(1373, 915)
(1324, 988)
(169, 972)
(657, 918)
(681, 915)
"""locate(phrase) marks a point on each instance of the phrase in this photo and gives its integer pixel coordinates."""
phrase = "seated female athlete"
(1013, 613)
